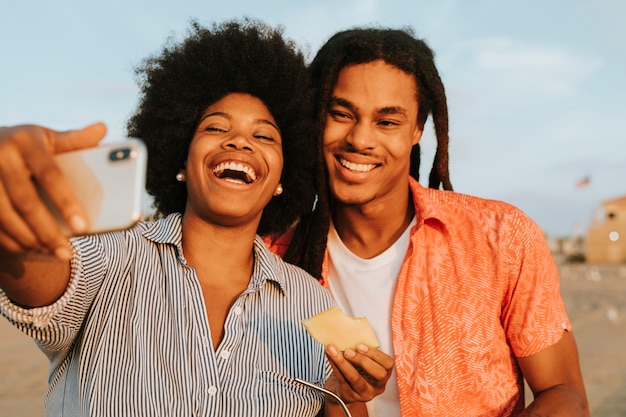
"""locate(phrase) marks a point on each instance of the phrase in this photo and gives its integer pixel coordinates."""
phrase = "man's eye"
(339, 115)
(215, 129)
(387, 123)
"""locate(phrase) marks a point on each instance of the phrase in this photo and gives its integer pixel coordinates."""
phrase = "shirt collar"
(426, 211)
(169, 230)
(266, 267)
(425, 204)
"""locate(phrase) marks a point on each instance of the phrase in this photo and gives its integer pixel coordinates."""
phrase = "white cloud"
(524, 69)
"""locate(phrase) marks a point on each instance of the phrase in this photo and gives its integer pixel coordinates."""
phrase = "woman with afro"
(189, 314)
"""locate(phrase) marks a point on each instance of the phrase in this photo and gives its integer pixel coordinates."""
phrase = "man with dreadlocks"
(462, 291)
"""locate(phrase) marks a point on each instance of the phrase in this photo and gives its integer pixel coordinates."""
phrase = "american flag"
(583, 182)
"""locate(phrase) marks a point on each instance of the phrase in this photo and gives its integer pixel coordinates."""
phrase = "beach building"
(606, 236)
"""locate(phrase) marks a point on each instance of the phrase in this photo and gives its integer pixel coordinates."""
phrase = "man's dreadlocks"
(359, 46)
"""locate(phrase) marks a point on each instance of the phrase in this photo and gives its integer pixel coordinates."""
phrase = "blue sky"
(536, 89)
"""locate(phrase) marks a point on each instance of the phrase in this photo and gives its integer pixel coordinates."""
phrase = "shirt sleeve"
(533, 314)
(54, 327)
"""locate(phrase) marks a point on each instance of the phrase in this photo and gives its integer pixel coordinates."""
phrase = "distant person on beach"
(462, 291)
(189, 314)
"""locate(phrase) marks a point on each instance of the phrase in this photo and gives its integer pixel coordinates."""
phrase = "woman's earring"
(279, 190)
(181, 177)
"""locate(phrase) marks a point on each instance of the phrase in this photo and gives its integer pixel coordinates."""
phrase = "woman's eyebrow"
(268, 122)
(229, 117)
(217, 113)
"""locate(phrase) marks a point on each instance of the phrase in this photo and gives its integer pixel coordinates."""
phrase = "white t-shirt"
(365, 288)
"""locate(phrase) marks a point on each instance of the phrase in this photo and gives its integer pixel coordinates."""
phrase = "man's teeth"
(356, 167)
(235, 166)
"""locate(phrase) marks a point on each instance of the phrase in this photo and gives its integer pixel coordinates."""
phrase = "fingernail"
(78, 224)
(349, 353)
(63, 253)
(332, 350)
(362, 348)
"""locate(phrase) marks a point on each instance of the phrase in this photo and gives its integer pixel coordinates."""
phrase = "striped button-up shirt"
(130, 336)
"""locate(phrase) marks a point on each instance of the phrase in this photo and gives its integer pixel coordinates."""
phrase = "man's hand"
(27, 154)
(359, 375)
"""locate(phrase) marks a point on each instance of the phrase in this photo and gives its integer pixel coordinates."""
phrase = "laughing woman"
(189, 314)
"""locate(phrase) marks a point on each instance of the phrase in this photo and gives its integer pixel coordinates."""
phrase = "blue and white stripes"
(131, 338)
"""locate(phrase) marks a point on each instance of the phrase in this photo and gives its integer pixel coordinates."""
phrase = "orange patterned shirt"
(478, 288)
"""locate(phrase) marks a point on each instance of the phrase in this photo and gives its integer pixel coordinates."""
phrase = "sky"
(536, 89)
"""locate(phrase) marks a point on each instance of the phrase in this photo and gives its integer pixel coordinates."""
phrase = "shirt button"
(224, 354)
(237, 310)
(205, 341)
(212, 391)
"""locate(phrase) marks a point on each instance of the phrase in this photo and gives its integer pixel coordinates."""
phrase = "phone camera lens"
(119, 154)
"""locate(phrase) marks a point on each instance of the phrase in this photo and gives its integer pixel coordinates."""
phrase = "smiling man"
(462, 291)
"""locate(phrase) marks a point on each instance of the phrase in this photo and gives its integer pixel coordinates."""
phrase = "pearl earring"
(181, 177)
(279, 190)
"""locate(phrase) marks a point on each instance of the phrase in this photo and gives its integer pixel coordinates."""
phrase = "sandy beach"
(595, 298)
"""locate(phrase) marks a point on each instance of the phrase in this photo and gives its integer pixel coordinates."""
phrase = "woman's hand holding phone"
(27, 155)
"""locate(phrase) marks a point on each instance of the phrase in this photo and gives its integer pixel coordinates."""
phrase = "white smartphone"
(109, 181)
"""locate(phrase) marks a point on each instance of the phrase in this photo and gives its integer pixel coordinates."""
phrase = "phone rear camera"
(120, 154)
